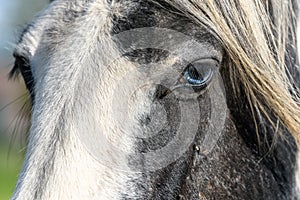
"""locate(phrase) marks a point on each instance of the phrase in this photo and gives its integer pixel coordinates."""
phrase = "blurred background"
(14, 14)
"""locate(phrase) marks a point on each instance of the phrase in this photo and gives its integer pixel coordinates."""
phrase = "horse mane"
(257, 36)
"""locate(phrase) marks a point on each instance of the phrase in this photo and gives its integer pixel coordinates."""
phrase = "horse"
(161, 99)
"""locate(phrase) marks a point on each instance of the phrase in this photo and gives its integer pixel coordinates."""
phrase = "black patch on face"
(146, 56)
(277, 155)
(142, 13)
(138, 16)
(164, 183)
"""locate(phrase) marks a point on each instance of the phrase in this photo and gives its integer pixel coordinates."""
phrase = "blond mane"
(257, 45)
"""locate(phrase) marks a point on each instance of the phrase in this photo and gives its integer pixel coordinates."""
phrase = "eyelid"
(206, 60)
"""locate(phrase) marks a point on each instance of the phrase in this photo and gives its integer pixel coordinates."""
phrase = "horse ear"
(27, 44)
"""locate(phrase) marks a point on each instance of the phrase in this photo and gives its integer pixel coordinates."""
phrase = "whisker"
(14, 101)
(9, 65)
(10, 44)
(19, 122)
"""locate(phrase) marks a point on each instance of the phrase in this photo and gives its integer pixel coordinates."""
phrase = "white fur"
(57, 94)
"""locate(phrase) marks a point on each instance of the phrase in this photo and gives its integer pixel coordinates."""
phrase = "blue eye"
(198, 74)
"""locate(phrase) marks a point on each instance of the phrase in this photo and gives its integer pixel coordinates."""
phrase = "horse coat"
(141, 99)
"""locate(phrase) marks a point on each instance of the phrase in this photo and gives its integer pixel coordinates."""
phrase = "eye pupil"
(193, 73)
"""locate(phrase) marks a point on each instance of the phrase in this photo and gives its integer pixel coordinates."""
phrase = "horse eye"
(198, 74)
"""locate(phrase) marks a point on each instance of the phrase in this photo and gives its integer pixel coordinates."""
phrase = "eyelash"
(22, 66)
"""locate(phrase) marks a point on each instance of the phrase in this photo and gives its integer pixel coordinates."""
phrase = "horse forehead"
(68, 16)
(75, 21)
(128, 15)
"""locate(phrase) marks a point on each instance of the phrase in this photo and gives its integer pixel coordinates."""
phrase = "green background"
(10, 165)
